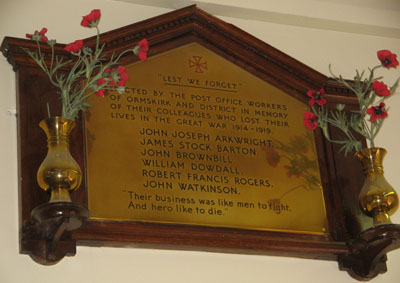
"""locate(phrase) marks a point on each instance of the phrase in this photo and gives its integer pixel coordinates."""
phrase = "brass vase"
(59, 171)
(377, 198)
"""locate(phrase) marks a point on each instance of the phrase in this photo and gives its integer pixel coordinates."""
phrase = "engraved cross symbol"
(196, 62)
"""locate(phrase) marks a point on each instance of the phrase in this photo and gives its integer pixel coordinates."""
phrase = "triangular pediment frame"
(342, 178)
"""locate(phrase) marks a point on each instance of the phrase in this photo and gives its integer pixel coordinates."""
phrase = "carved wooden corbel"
(47, 236)
(367, 253)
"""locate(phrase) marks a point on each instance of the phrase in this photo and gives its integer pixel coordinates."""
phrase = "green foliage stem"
(351, 121)
(80, 81)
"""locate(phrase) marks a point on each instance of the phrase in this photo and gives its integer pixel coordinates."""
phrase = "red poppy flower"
(99, 83)
(380, 88)
(316, 97)
(91, 20)
(141, 49)
(38, 35)
(100, 93)
(118, 76)
(111, 82)
(74, 47)
(310, 120)
(377, 112)
(121, 70)
(43, 37)
(123, 76)
(122, 80)
(388, 59)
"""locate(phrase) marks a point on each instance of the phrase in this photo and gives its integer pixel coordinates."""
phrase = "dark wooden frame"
(359, 251)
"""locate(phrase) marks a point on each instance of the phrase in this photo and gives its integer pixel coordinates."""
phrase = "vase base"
(60, 195)
(381, 218)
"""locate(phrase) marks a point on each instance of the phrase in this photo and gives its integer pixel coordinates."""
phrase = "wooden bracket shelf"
(47, 236)
(367, 253)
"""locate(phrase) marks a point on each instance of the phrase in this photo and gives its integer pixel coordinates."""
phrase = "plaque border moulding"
(362, 254)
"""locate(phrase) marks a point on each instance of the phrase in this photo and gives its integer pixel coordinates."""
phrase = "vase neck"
(57, 140)
(371, 160)
(57, 129)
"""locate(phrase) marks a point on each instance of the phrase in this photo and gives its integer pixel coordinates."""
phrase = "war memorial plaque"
(197, 140)
(206, 150)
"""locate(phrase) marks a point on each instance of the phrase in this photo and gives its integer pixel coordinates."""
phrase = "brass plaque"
(197, 140)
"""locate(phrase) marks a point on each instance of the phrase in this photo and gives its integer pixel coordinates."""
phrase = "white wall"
(316, 47)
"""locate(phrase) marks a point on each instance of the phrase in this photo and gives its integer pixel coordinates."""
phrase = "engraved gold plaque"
(197, 140)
